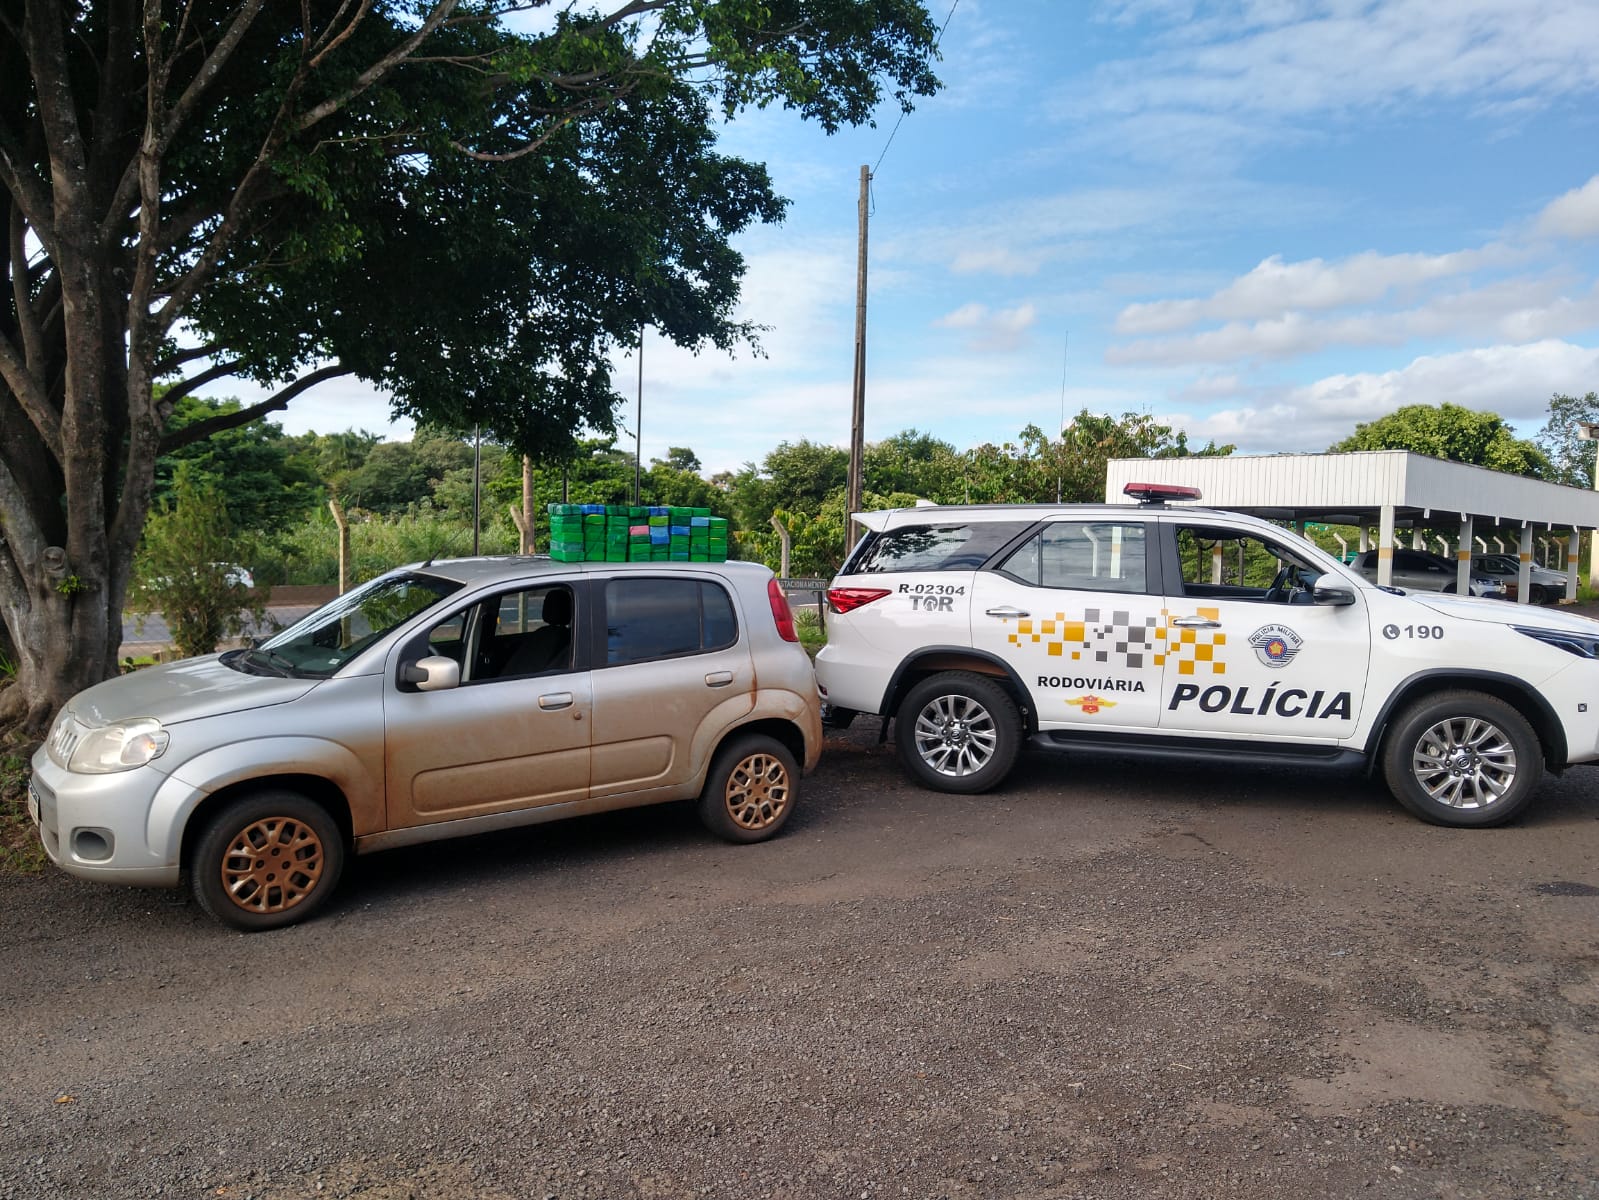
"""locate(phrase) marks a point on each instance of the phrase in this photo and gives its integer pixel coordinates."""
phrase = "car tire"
(1537, 595)
(1462, 758)
(958, 732)
(750, 789)
(267, 860)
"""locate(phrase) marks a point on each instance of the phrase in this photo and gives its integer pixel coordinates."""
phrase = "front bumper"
(99, 827)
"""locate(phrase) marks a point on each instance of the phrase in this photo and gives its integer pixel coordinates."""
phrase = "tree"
(913, 463)
(1571, 458)
(795, 478)
(184, 567)
(1452, 432)
(250, 465)
(257, 189)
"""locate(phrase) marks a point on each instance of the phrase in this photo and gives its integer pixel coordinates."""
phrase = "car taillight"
(843, 600)
(781, 613)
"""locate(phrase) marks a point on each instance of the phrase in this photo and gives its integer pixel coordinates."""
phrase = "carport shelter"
(1392, 490)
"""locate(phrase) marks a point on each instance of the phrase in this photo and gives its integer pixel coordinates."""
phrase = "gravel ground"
(1106, 980)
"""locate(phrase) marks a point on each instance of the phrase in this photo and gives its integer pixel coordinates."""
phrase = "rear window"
(648, 618)
(933, 547)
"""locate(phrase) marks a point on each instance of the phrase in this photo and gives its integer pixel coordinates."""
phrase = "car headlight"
(1580, 644)
(118, 747)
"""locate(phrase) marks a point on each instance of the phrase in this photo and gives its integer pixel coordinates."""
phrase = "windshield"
(335, 633)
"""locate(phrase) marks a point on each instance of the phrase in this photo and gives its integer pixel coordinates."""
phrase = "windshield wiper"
(283, 665)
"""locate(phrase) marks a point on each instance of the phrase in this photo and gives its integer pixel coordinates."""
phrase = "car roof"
(880, 519)
(508, 567)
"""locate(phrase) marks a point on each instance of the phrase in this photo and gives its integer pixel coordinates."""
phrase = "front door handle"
(1196, 623)
(1007, 611)
(718, 679)
(555, 701)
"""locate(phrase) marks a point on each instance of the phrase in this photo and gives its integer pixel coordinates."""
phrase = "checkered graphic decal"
(1111, 637)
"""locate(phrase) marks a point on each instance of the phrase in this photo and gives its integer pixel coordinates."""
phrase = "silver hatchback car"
(437, 701)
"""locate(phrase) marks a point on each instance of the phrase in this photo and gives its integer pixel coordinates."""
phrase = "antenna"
(1060, 467)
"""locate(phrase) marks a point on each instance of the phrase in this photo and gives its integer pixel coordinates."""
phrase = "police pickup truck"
(1181, 631)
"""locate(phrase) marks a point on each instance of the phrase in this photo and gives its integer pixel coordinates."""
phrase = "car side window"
(514, 634)
(1235, 565)
(651, 618)
(1093, 556)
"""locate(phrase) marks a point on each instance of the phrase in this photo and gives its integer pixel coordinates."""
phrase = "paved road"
(1107, 980)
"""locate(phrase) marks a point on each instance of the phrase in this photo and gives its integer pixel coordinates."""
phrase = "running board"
(1188, 749)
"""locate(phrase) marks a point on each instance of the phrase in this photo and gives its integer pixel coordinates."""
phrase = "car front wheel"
(958, 732)
(267, 860)
(1462, 758)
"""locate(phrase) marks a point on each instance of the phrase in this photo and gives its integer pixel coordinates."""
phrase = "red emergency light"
(1159, 493)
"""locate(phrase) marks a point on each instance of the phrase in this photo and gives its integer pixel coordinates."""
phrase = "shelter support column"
(1573, 557)
(1463, 557)
(1524, 573)
(1385, 546)
(1365, 538)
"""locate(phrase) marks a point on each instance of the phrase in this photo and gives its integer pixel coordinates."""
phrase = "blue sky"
(1262, 221)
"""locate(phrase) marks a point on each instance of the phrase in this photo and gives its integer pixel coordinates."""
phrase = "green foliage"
(309, 553)
(1571, 459)
(1451, 432)
(253, 466)
(182, 567)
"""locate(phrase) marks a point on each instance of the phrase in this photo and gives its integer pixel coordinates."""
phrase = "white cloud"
(1514, 310)
(1573, 215)
(1231, 76)
(1000, 330)
(1274, 287)
(1513, 381)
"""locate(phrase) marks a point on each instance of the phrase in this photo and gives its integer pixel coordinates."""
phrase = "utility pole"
(477, 483)
(638, 420)
(857, 434)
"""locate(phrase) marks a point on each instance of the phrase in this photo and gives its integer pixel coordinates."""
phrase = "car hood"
(1473, 608)
(183, 691)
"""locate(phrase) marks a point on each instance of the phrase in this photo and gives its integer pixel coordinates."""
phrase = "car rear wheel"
(958, 732)
(267, 860)
(750, 789)
(1463, 759)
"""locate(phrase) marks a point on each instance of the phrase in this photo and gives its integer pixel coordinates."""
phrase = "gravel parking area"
(1105, 980)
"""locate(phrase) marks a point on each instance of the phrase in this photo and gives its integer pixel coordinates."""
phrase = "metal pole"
(857, 433)
(477, 477)
(638, 420)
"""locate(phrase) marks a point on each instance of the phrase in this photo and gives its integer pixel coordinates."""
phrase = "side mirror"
(1332, 594)
(435, 673)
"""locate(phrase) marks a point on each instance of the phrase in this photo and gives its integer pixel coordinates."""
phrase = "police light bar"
(1159, 493)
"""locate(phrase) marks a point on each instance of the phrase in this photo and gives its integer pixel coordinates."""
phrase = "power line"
(895, 130)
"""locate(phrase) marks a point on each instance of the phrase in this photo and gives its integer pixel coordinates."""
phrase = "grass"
(808, 624)
(20, 851)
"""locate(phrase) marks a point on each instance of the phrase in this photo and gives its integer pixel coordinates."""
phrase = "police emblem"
(1091, 703)
(1275, 645)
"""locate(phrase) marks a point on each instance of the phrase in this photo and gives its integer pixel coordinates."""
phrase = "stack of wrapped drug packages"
(623, 533)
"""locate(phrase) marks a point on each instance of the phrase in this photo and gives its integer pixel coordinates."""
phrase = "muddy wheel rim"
(757, 791)
(955, 735)
(1464, 762)
(272, 864)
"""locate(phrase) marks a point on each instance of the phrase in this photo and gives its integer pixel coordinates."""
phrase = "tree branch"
(22, 293)
(204, 429)
(379, 69)
(30, 396)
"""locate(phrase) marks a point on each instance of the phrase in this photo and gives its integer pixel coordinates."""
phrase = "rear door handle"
(1007, 611)
(718, 679)
(1196, 623)
(555, 700)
